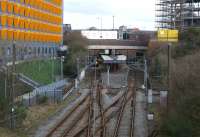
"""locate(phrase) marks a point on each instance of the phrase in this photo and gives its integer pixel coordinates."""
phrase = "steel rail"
(124, 101)
(97, 117)
(60, 123)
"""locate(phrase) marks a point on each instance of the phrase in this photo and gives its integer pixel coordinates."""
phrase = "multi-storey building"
(178, 14)
(35, 26)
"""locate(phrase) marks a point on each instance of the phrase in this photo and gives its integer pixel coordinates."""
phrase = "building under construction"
(177, 14)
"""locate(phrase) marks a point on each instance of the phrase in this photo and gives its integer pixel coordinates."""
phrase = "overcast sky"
(82, 14)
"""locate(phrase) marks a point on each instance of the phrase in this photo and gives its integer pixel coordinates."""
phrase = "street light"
(12, 118)
(62, 59)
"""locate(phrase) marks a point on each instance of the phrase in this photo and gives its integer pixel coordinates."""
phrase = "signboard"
(167, 35)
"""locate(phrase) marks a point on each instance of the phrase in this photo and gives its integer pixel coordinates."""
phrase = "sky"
(82, 14)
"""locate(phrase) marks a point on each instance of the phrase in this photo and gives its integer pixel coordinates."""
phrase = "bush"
(21, 113)
(42, 99)
(190, 41)
(184, 121)
(182, 50)
(191, 36)
(3, 108)
(176, 126)
(184, 105)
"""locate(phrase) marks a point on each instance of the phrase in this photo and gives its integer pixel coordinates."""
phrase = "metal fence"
(14, 119)
(38, 97)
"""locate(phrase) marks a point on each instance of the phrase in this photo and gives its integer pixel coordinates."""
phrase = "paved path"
(140, 126)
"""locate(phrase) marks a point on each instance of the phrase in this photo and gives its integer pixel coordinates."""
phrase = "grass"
(8, 133)
(36, 116)
(40, 70)
(2, 84)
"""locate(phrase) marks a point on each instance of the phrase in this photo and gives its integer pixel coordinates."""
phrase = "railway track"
(89, 118)
(76, 126)
(119, 119)
(133, 102)
(124, 126)
(101, 110)
(108, 114)
(82, 119)
(75, 114)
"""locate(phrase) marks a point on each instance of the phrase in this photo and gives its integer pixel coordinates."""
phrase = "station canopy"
(118, 59)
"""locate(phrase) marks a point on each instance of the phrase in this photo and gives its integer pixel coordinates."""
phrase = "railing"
(28, 81)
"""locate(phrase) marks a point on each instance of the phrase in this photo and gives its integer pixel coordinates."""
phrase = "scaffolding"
(177, 14)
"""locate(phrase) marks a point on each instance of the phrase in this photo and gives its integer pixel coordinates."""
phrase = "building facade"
(33, 26)
(122, 31)
(67, 28)
(100, 34)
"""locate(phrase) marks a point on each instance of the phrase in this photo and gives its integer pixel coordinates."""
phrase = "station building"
(35, 26)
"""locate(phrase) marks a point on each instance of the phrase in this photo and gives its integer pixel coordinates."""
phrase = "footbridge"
(115, 49)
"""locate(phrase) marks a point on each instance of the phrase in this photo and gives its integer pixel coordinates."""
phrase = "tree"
(77, 48)
(191, 37)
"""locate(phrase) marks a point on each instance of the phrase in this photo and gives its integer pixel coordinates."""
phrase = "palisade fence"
(38, 97)
(14, 118)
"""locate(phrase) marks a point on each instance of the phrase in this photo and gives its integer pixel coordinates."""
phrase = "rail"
(66, 117)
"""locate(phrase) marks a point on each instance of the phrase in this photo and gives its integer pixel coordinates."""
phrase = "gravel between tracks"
(48, 125)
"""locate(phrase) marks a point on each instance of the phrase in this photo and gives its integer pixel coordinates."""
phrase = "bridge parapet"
(119, 42)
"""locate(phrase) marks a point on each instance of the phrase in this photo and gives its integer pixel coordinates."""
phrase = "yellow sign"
(168, 35)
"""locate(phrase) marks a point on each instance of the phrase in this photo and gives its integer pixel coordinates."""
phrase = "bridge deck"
(117, 44)
(116, 47)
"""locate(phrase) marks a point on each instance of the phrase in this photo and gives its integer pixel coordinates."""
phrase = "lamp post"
(169, 73)
(78, 67)
(62, 59)
(13, 83)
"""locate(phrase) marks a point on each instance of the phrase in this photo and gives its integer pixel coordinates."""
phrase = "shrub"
(42, 99)
(182, 50)
(21, 113)
(184, 121)
(176, 126)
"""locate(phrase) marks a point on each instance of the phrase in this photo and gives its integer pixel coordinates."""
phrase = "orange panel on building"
(21, 35)
(21, 23)
(3, 34)
(10, 34)
(21, 10)
(27, 24)
(10, 19)
(31, 20)
(3, 20)
(10, 7)
(3, 6)
(16, 34)
(16, 8)
(16, 22)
